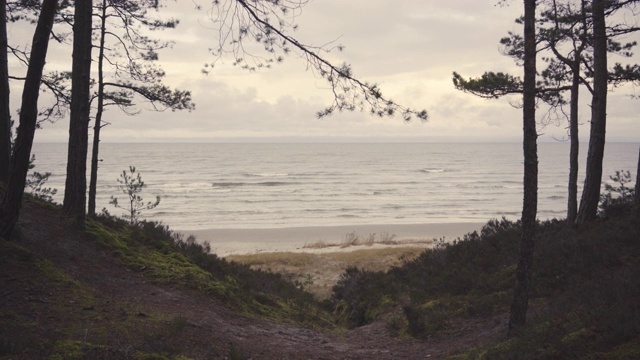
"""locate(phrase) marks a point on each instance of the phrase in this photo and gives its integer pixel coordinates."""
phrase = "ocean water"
(279, 185)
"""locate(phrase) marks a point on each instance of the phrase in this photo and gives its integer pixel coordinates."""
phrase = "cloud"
(409, 47)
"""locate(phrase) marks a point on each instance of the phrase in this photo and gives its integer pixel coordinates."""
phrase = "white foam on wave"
(267, 175)
(432, 171)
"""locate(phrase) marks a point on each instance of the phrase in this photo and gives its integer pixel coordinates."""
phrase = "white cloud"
(409, 47)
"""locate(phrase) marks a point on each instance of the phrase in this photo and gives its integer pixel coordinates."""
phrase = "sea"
(283, 185)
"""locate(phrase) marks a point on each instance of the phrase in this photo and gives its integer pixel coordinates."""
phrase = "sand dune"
(244, 241)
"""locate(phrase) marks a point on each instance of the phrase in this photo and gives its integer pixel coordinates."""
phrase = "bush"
(619, 197)
(470, 267)
(584, 282)
(360, 296)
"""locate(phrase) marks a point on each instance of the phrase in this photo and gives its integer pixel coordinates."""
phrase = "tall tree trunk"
(572, 202)
(572, 206)
(75, 192)
(5, 113)
(520, 303)
(637, 188)
(591, 192)
(10, 210)
(93, 180)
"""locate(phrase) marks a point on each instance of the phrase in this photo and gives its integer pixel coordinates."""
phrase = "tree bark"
(10, 210)
(591, 192)
(574, 154)
(5, 113)
(520, 303)
(93, 180)
(572, 198)
(637, 188)
(76, 182)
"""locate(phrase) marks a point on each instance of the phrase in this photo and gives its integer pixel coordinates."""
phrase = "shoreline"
(225, 242)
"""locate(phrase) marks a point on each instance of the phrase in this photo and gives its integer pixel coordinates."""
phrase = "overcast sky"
(409, 47)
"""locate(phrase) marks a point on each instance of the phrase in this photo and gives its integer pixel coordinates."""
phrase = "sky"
(409, 47)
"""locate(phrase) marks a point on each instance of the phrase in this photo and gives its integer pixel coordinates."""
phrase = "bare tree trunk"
(93, 179)
(572, 202)
(76, 182)
(5, 113)
(520, 303)
(637, 188)
(591, 192)
(10, 210)
(93, 182)
(572, 208)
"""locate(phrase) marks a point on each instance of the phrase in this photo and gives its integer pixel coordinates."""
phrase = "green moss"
(72, 350)
(106, 237)
(485, 304)
(152, 251)
(578, 337)
(146, 356)
(498, 351)
(431, 305)
(172, 267)
(54, 273)
(138, 355)
(11, 251)
(628, 351)
(16, 256)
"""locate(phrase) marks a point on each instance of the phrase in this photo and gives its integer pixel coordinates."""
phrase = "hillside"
(113, 292)
(584, 304)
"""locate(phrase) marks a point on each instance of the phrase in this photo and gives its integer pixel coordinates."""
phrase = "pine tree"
(131, 184)
(10, 209)
(521, 292)
(75, 191)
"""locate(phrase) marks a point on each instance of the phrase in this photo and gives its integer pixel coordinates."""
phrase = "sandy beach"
(226, 242)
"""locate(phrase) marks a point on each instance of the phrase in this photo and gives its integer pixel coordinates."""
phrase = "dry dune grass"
(319, 272)
(353, 239)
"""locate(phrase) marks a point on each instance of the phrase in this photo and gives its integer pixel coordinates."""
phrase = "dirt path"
(195, 325)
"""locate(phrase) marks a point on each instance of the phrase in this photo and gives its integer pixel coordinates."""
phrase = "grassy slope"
(80, 294)
(57, 283)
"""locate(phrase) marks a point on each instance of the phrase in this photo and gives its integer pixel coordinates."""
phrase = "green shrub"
(360, 297)
(478, 264)
(585, 289)
(617, 198)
